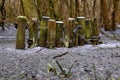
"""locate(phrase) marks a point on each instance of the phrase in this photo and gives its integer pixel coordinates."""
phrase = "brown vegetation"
(62, 9)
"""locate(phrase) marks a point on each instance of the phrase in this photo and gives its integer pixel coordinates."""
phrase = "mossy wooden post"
(43, 31)
(20, 38)
(88, 29)
(81, 33)
(51, 34)
(71, 25)
(59, 33)
(76, 35)
(95, 28)
(66, 40)
(95, 33)
(33, 32)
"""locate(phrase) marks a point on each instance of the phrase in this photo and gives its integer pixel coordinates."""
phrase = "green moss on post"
(51, 34)
(43, 31)
(95, 33)
(59, 33)
(71, 25)
(33, 32)
(76, 36)
(20, 38)
(95, 28)
(88, 29)
(81, 33)
(66, 40)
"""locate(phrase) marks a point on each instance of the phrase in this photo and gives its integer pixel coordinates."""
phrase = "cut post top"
(51, 20)
(71, 19)
(59, 22)
(81, 17)
(22, 18)
(45, 17)
(35, 19)
(88, 19)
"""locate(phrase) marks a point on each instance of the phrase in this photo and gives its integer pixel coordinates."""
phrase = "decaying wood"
(51, 34)
(88, 29)
(81, 33)
(20, 37)
(71, 25)
(95, 28)
(43, 31)
(33, 32)
(59, 33)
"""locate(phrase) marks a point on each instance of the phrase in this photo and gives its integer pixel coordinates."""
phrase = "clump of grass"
(53, 69)
(65, 73)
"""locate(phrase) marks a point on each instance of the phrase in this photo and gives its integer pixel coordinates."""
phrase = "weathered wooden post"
(59, 33)
(66, 40)
(33, 32)
(71, 25)
(51, 34)
(43, 31)
(95, 28)
(88, 30)
(20, 38)
(75, 32)
(81, 33)
(95, 32)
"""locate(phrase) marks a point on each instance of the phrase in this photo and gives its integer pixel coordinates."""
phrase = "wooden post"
(71, 25)
(51, 34)
(95, 28)
(88, 30)
(33, 32)
(66, 40)
(81, 33)
(43, 31)
(20, 38)
(76, 35)
(95, 33)
(59, 33)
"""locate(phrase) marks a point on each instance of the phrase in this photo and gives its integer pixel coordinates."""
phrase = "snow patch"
(62, 50)
(112, 45)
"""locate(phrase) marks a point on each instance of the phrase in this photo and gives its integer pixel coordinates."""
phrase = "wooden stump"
(81, 33)
(66, 40)
(71, 25)
(43, 31)
(51, 34)
(95, 33)
(95, 28)
(88, 29)
(76, 34)
(59, 33)
(33, 32)
(20, 38)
